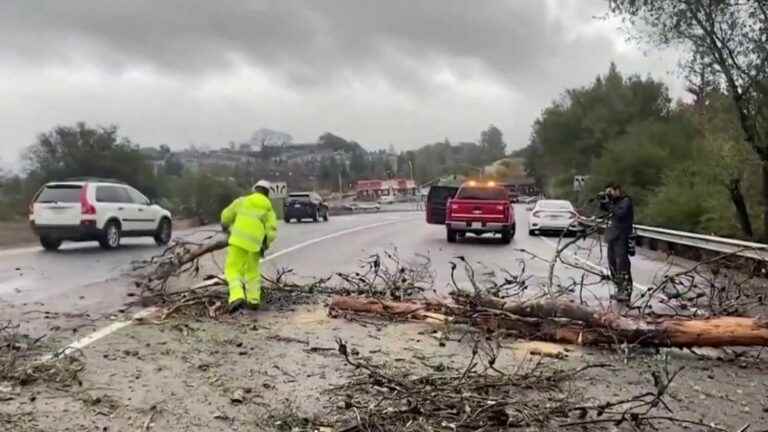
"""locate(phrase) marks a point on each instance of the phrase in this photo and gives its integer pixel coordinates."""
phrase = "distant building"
(372, 190)
(305, 153)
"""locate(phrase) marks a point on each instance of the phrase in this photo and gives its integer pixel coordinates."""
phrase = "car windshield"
(483, 193)
(60, 193)
(555, 205)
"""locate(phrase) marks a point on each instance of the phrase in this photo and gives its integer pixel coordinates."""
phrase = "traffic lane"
(83, 283)
(77, 288)
(413, 239)
(410, 238)
(570, 272)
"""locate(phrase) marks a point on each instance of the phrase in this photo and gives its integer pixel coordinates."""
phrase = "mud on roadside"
(275, 370)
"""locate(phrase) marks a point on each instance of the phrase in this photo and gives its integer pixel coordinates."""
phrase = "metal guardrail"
(757, 251)
(722, 245)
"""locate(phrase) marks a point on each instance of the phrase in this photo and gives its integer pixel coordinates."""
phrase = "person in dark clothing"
(622, 218)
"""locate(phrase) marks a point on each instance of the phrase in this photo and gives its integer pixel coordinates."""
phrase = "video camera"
(600, 197)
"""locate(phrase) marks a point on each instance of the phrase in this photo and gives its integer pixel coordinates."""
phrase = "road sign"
(278, 190)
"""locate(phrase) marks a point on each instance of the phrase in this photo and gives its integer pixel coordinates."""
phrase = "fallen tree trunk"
(560, 321)
(178, 259)
(194, 254)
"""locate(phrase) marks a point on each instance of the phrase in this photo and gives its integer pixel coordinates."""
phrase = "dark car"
(437, 203)
(305, 205)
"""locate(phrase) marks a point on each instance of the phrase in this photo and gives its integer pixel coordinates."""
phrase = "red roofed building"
(372, 190)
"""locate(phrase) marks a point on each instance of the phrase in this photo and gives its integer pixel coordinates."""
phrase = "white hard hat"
(262, 184)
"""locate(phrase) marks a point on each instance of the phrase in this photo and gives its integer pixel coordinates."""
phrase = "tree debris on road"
(386, 286)
(22, 363)
(383, 275)
(485, 396)
(490, 304)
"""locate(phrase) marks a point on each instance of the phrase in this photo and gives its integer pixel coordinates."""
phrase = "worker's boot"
(253, 294)
(623, 289)
(236, 296)
(236, 305)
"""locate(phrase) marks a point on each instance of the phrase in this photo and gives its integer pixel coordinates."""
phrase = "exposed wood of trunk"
(566, 322)
(376, 307)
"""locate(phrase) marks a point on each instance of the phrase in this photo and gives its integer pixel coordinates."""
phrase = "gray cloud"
(408, 71)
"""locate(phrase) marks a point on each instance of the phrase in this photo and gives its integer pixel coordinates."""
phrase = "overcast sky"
(400, 72)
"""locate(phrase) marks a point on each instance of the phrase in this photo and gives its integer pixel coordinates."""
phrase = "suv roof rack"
(94, 179)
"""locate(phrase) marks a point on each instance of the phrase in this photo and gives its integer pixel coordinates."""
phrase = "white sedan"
(553, 216)
(363, 206)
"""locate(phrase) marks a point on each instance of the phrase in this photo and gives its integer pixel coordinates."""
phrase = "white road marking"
(108, 330)
(101, 333)
(589, 263)
(91, 244)
(19, 251)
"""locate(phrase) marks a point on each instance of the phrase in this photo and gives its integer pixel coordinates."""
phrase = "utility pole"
(341, 184)
(410, 165)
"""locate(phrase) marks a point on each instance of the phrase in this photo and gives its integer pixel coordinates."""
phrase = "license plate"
(297, 205)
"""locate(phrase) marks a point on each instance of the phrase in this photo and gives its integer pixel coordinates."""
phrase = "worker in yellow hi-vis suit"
(252, 226)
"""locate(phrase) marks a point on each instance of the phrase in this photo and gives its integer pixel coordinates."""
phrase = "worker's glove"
(224, 228)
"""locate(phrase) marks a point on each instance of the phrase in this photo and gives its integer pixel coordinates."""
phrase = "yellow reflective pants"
(243, 272)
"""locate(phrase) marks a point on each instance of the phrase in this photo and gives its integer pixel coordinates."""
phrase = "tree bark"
(166, 267)
(737, 198)
(560, 321)
(218, 244)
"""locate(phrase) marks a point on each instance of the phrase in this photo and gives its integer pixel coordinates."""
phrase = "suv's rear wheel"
(50, 244)
(164, 232)
(111, 237)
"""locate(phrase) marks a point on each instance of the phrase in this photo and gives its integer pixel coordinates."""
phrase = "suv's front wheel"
(164, 232)
(50, 244)
(111, 237)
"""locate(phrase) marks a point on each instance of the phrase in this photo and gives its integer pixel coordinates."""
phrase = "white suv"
(95, 209)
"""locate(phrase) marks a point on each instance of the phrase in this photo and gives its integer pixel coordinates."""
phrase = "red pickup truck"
(476, 209)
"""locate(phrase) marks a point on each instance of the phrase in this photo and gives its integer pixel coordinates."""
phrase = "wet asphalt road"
(82, 278)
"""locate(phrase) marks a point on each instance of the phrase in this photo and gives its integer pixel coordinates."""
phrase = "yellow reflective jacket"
(251, 221)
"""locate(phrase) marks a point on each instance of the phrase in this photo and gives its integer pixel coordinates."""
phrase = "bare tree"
(727, 37)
